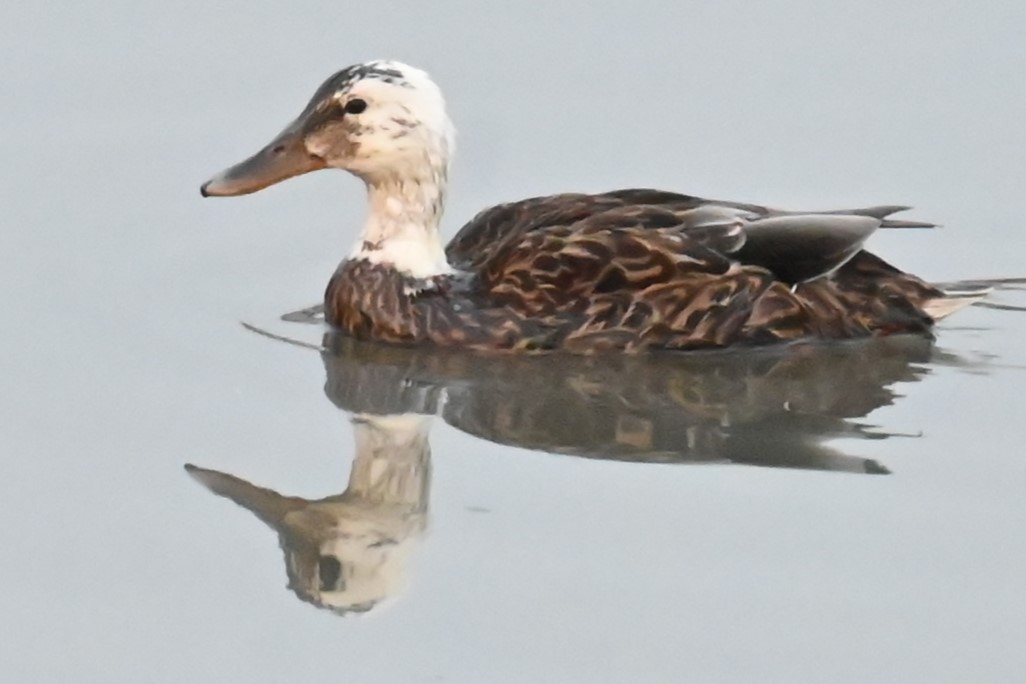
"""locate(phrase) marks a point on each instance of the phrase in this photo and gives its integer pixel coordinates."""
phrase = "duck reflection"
(762, 407)
(775, 408)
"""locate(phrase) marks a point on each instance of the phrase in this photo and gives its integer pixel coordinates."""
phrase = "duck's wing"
(614, 284)
(795, 246)
(617, 250)
(497, 227)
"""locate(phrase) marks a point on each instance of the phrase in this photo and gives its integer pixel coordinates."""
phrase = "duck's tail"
(941, 307)
(965, 293)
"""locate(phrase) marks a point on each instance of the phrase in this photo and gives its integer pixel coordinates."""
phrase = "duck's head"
(382, 121)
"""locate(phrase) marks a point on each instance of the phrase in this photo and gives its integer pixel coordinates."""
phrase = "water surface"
(848, 514)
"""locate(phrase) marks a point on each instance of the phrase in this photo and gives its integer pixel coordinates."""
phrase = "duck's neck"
(402, 228)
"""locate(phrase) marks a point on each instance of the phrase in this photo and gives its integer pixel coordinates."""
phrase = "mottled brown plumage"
(623, 270)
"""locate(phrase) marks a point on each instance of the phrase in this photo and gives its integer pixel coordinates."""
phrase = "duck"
(631, 270)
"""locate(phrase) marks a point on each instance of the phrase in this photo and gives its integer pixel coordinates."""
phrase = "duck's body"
(628, 270)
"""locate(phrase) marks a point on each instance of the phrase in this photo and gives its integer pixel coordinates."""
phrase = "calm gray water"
(856, 514)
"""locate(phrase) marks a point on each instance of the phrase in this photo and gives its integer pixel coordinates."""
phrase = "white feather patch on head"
(405, 129)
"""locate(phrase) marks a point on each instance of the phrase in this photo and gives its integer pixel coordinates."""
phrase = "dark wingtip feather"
(896, 223)
(883, 211)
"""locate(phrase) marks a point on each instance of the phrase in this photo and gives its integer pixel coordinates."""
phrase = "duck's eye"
(355, 106)
(330, 570)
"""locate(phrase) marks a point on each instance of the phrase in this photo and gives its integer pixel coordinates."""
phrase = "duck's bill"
(284, 157)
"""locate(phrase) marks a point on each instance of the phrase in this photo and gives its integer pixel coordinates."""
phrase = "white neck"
(402, 228)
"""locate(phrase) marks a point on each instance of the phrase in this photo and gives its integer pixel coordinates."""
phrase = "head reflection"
(349, 552)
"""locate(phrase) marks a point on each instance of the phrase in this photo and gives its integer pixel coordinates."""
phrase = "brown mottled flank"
(617, 271)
